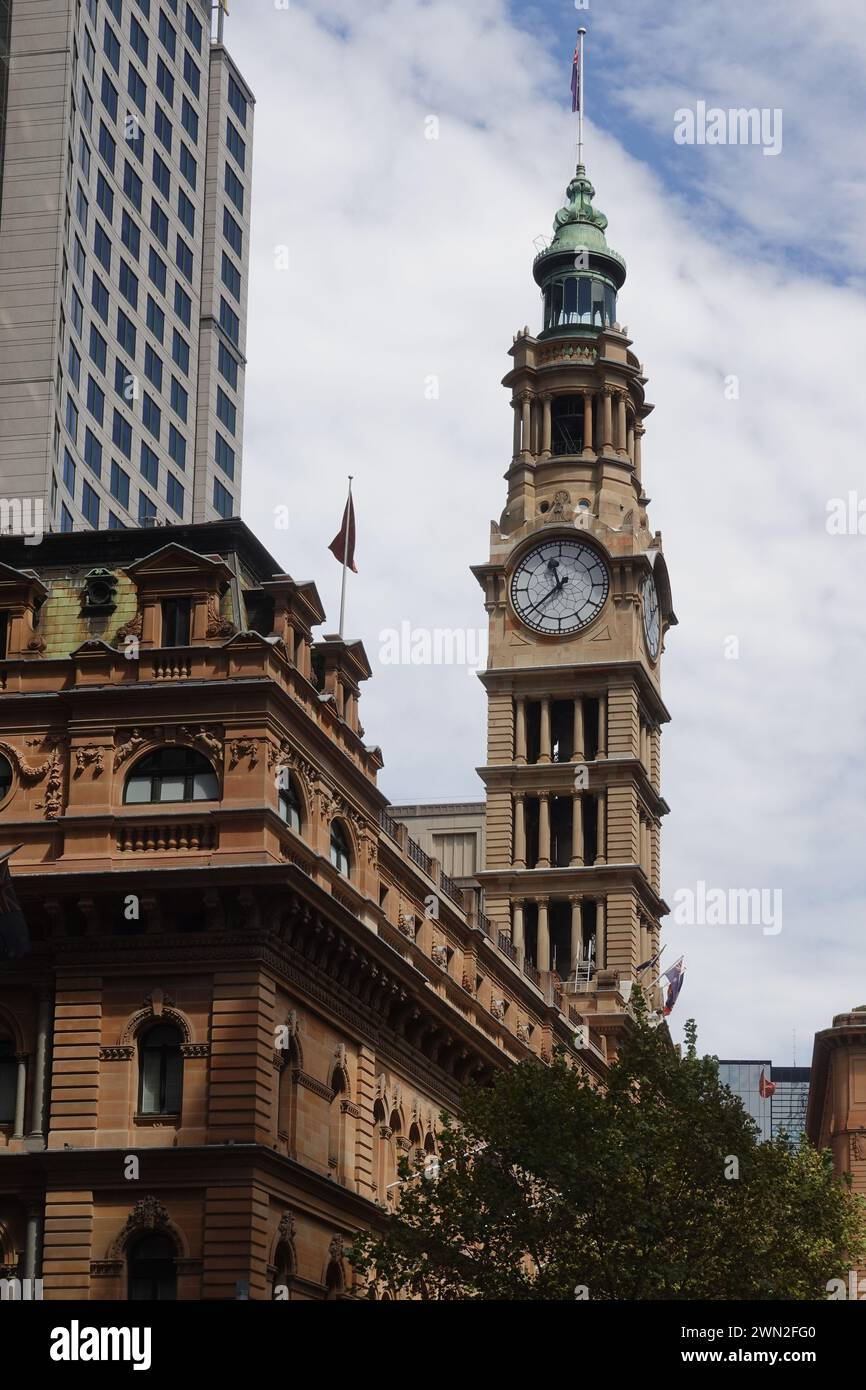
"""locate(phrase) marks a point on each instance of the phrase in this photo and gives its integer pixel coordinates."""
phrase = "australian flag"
(674, 977)
(14, 937)
(575, 80)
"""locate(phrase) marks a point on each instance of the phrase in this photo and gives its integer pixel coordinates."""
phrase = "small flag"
(648, 964)
(342, 547)
(674, 977)
(766, 1089)
(14, 936)
(575, 80)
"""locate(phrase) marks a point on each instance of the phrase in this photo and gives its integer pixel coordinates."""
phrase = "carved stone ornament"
(197, 736)
(524, 1032)
(241, 748)
(148, 1214)
(91, 756)
(335, 1249)
(287, 1228)
(557, 511)
(858, 1144)
(497, 1008)
(217, 626)
(131, 629)
(440, 956)
(408, 924)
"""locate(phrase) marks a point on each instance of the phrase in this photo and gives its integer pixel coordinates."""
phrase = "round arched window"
(171, 774)
(160, 1071)
(5, 777)
(340, 849)
(152, 1269)
(290, 805)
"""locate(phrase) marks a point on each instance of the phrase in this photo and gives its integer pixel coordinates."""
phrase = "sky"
(406, 156)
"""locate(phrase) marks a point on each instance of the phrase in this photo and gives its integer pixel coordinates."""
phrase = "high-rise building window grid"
(90, 504)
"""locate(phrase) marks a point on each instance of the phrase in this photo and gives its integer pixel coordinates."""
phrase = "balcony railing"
(450, 887)
(531, 973)
(143, 838)
(390, 826)
(417, 855)
(506, 947)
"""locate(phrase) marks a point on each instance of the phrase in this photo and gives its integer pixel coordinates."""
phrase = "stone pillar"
(587, 422)
(576, 932)
(32, 1260)
(526, 409)
(630, 438)
(517, 933)
(577, 829)
(639, 433)
(601, 843)
(577, 755)
(519, 830)
(607, 418)
(520, 730)
(602, 727)
(545, 426)
(546, 749)
(601, 934)
(543, 961)
(515, 405)
(620, 424)
(20, 1095)
(43, 1020)
(543, 830)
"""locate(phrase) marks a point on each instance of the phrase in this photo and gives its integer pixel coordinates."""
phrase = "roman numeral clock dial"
(559, 587)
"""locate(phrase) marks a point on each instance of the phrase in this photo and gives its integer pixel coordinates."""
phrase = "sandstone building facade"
(248, 991)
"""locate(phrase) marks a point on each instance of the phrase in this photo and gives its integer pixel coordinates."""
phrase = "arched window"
(567, 425)
(151, 1269)
(284, 1268)
(171, 774)
(340, 849)
(5, 777)
(160, 1071)
(290, 805)
(8, 1081)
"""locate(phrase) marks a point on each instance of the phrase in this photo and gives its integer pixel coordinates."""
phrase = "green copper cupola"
(578, 273)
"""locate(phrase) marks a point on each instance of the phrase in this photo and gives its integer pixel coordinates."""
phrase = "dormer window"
(176, 621)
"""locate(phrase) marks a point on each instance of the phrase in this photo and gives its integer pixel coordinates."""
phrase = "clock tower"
(578, 598)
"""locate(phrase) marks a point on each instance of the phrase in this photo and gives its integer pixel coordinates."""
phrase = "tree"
(655, 1188)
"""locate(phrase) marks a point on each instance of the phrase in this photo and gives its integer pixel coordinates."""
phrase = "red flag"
(766, 1089)
(342, 547)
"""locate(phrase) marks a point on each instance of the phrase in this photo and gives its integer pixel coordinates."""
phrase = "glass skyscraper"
(784, 1110)
(125, 164)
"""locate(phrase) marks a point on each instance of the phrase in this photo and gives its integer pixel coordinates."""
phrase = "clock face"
(559, 587)
(651, 617)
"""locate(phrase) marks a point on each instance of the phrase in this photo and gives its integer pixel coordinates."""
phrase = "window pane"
(171, 788)
(138, 789)
(205, 787)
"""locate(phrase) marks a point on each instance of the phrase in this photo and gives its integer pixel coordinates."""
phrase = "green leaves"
(548, 1183)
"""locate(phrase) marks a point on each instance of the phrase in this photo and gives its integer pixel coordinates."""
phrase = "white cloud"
(412, 257)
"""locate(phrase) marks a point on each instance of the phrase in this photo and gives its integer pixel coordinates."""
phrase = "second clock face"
(559, 587)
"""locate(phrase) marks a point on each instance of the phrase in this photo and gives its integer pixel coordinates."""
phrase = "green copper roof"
(578, 225)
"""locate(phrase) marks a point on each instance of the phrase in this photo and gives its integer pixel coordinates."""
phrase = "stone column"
(520, 730)
(43, 1020)
(543, 830)
(546, 750)
(515, 405)
(587, 422)
(601, 843)
(543, 961)
(602, 727)
(577, 755)
(639, 433)
(32, 1259)
(517, 933)
(607, 418)
(519, 830)
(577, 829)
(620, 423)
(526, 408)
(601, 934)
(576, 932)
(545, 426)
(20, 1095)
(630, 438)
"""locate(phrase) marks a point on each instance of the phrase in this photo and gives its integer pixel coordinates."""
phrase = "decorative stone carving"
(195, 1050)
(440, 955)
(124, 1053)
(148, 1214)
(91, 756)
(408, 923)
(524, 1032)
(241, 748)
(52, 801)
(197, 737)
(287, 1227)
(126, 749)
(204, 738)
(497, 1008)
(556, 513)
(217, 626)
(858, 1144)
(335, 1249)
(131, 629)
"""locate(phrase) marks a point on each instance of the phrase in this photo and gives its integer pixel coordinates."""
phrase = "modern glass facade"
(123, 257)
(784, 1110)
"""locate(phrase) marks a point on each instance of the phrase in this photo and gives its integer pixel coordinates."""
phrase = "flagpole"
(345, 566)
(580, 35)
